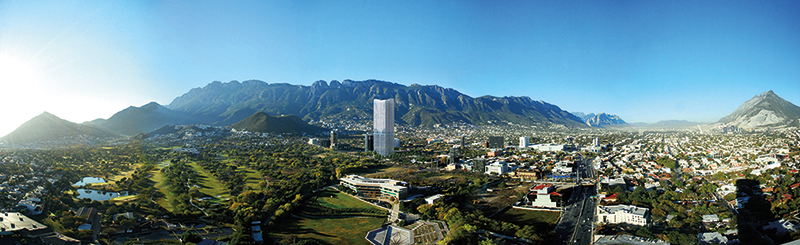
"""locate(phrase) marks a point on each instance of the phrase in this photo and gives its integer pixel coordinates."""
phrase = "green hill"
(48, 127)
(263, 123)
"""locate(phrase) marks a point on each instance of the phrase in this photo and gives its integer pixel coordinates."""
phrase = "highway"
(577, 223)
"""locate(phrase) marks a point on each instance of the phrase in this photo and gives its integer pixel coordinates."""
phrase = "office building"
(618, 214)
(495, 142)
(369, 142)
(498, 168)
(334, 138)
(368, 187)
(524, 142)
(383, 126)
(479, 164)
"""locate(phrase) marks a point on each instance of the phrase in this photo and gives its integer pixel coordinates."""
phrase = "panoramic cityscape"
(470, 122)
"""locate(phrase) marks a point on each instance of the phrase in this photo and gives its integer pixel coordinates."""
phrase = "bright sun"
(14, 72)
(20, 92)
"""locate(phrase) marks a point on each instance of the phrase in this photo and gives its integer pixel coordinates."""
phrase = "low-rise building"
(498, 168)
(710, 218)
(375, 187)
(627, 239)
(617, 214)
(711, 238)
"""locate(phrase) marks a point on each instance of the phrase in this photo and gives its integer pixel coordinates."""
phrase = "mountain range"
(764, 110)
(219, 103)
(599, 120)
(135, 120)
(250, 106)
(264, 123)
(46, 126)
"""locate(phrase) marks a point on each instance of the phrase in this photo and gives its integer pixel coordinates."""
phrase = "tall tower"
(524, 142)
(334, 138)
(383, 126)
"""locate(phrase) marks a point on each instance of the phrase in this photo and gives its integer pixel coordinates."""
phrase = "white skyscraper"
(524, 142)
(383, 126)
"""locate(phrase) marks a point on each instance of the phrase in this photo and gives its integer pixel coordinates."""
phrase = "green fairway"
(528, 217)
(253, 177)
(331, 231)
(158, 178)
(208, 184)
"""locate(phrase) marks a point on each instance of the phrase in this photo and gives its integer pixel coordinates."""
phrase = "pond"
(101, 195)
(89, 180)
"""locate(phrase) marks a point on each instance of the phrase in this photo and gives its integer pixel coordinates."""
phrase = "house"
(710, 218)
(711, 238)
(611, 198)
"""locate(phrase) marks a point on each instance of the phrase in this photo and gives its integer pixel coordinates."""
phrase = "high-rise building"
(524, 142)
(495, 142)
(369, 142)
(383, 126)
(334, 138)
(596, 142)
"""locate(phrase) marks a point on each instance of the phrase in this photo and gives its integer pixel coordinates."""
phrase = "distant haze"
(643, 61)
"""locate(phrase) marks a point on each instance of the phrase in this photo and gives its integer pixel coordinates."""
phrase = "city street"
(576, 225)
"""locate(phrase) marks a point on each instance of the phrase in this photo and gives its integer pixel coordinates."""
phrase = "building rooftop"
(625, 208)
(390, 235)
(12, 222)
(628, 239)
(386, 183)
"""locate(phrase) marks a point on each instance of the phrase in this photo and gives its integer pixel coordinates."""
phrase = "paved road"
(576, 224)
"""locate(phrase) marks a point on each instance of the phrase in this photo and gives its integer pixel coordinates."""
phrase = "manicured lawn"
(209, 185)
(253, 177)
(158, 178)
(382, 170)
(331, 231)
(334, 199)
(126, 174)
(528, 217)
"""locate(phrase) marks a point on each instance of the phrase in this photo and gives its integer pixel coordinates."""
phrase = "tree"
(190, 236)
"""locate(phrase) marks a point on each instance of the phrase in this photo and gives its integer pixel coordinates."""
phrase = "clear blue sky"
(642, 60)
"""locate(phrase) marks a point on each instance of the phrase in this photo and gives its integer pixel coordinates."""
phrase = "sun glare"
(14, 71)
(20, 90)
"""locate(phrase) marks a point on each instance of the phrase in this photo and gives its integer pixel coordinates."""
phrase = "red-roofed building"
(611, 198)
(543, 189)
(794, 186)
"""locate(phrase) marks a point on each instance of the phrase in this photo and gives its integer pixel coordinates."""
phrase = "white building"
(498, 168)
(617, 214)
(524, 142)
(549, 147)
(383, 126)
(375, 187)
(711, 238)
